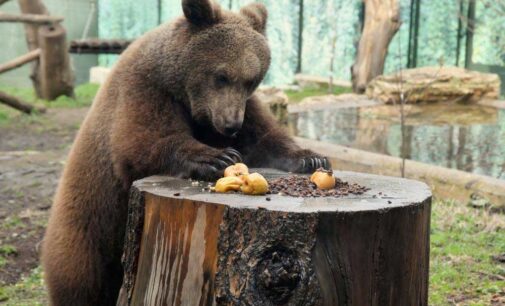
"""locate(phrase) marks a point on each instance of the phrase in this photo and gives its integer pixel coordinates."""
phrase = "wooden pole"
(30, 18)
(56, 77)
(186, 246)
(382, 21)
(31, 33)
(18, 104)
(20, 61)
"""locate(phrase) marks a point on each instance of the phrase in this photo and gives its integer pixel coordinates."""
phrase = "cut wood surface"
(18, 104)
(30, 18)
(186, 246)
(20, 61)
(382, 21)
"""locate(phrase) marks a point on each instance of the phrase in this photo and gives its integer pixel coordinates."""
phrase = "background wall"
(13, 43)
(440, 27)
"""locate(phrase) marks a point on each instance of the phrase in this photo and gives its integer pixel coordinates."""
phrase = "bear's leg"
(76, 272)
(265, 144)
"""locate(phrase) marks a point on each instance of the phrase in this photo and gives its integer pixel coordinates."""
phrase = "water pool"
(465, 137)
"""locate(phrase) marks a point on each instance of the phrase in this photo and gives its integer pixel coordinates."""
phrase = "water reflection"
(469, 138)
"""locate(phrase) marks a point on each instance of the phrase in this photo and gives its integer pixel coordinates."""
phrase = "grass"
(30, 291)
(463, 243)
(296, 96)
(84, 95)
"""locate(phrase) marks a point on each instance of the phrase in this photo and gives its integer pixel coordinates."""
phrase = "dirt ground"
(32, 154)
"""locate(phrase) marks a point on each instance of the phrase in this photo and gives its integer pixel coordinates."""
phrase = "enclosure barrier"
(46, 39)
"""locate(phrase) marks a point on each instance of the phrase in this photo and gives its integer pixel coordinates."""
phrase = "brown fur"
(171, 106)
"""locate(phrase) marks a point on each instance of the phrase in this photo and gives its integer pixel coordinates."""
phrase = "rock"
(277, 101)
(435, 84)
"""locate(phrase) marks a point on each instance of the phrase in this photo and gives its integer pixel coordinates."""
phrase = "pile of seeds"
(301, 186)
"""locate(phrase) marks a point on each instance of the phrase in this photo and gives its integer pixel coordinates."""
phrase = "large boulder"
(434, 84)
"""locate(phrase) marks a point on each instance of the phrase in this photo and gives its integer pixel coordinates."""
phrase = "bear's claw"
(311, 164)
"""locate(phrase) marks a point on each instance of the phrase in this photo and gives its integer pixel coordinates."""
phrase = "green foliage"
(296, 96)
(8, 250)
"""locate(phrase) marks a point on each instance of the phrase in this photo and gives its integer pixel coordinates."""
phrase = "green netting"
(326, 21)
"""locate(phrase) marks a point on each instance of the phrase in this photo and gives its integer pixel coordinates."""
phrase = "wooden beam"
(18, 104)
(20, 61)
(30, 18)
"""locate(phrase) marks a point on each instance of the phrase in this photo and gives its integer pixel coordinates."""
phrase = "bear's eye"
(222, 80)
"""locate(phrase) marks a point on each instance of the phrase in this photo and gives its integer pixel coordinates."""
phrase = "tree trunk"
(51, 40)
(382, 21)
(32, 34)
(56, 77)
(185, 246)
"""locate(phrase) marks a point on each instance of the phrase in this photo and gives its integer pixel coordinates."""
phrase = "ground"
(467, 243)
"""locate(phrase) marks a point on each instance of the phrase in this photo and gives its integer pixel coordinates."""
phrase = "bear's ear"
(256, 14)
(201, 12)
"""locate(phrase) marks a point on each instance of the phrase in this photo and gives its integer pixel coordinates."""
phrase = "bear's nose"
(231, 129)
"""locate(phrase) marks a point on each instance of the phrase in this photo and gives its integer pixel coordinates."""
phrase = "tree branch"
(19, 61)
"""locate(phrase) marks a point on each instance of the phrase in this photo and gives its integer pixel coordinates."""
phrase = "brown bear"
(180, 101)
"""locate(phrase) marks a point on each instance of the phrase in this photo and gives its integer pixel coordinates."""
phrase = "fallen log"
(186, 246)
(18, 104)
(20, 61)
(30, 18)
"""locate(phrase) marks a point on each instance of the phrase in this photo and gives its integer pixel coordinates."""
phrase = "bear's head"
(228, 57)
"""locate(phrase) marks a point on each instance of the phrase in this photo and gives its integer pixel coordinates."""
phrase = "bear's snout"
(232, 128)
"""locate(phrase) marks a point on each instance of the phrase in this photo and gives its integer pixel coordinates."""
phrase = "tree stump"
(186, 246)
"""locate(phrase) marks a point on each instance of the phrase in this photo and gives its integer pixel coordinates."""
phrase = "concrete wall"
(13, 44)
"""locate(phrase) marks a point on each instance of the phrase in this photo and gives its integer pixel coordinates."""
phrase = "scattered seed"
(301, 186)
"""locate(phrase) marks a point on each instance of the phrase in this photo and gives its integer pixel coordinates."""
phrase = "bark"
(382, 21)
(185, 246)
(20, 61)
(18, 104)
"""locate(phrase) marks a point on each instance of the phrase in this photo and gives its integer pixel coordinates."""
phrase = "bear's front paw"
(210, 166)
(310, 162)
